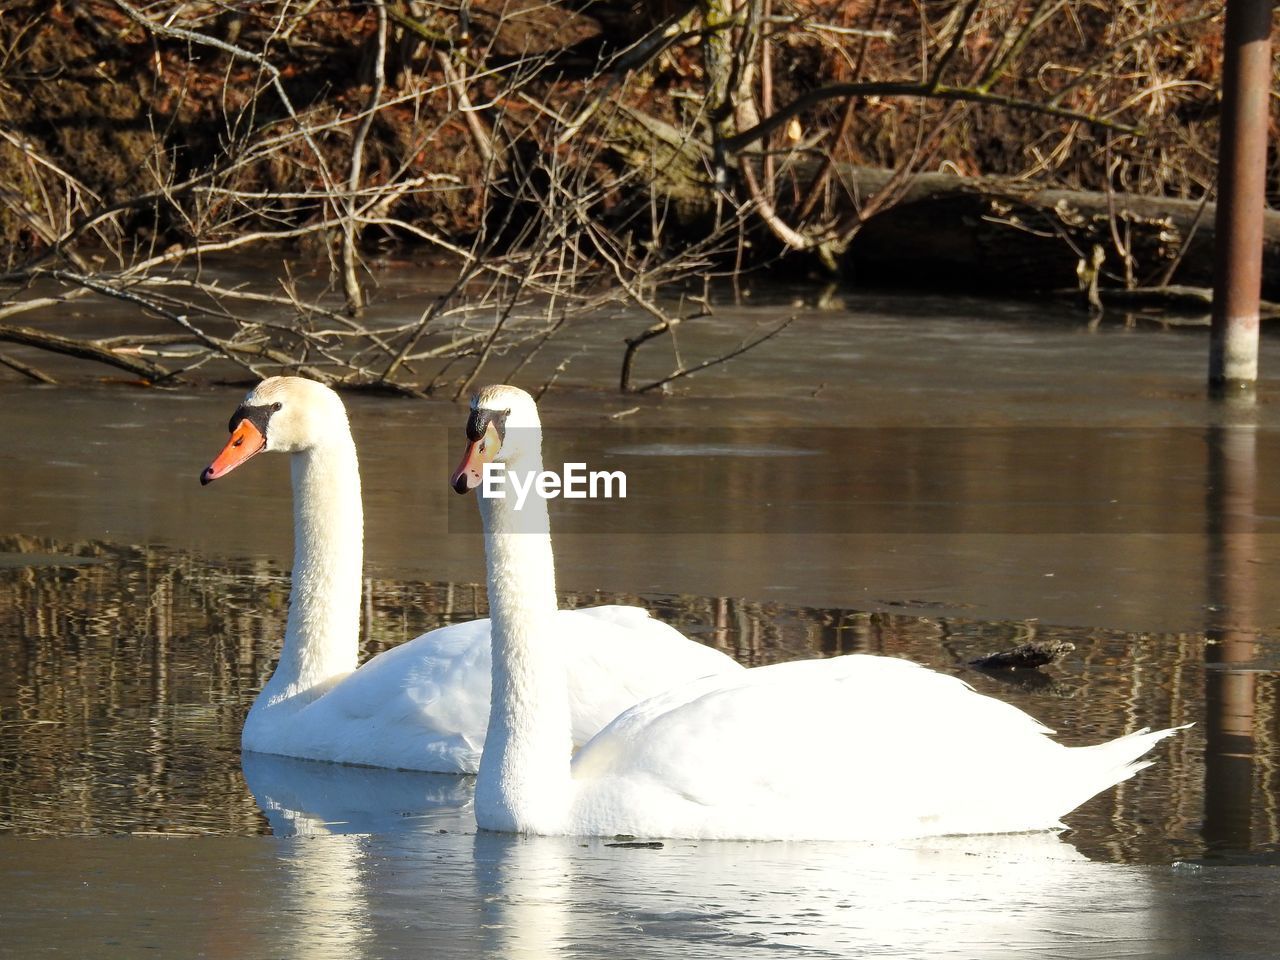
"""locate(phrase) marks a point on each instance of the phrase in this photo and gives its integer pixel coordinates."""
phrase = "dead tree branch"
(684, 371)
(350, 255)
(80, 349)
(840, 91)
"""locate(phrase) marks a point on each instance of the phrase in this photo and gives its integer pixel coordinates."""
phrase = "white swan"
(852, 748)
(424, 704)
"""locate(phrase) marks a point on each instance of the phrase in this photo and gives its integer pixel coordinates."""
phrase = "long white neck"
(523, 784)
(321, 640)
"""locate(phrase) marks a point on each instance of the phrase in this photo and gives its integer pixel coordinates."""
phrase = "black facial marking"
(255, 414)
(480, 419)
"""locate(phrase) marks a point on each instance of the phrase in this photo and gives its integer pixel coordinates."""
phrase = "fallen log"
(984, 234)
(988, 233)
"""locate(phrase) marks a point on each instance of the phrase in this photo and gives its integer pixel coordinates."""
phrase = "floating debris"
(1025, 656)
(637, 844)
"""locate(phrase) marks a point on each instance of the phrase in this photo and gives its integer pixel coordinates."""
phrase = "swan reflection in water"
(386, 857)
(309, 798)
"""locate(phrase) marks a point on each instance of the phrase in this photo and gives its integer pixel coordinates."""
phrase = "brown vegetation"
(562, 155)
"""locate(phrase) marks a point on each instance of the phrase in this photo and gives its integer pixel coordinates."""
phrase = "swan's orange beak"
(246, 441)
(470, 472)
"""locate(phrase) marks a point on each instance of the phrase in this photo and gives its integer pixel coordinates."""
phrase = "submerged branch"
(30, 372)
(697, 367)
(82, 349)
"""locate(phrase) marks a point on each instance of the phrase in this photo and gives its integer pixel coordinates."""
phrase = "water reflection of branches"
(127, 672)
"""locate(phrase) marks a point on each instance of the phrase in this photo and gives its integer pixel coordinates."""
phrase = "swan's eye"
(277, 405)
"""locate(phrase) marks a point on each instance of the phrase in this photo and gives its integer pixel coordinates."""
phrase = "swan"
(424, 704)
(859, 747)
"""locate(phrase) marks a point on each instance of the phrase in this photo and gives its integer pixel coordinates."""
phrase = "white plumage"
(852, 748)
(423, 705)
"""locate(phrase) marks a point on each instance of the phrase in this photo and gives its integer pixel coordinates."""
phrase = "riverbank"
(129, 133)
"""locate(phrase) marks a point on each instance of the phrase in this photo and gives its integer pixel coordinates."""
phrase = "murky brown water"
(917, 484)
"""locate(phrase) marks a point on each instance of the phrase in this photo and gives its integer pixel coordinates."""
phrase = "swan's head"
(503, 427)
(284, 414)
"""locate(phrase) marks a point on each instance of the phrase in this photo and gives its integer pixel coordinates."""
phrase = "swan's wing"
(615, 655)
(854, 747)
(619, 655)
(422, 705)
(620, 615)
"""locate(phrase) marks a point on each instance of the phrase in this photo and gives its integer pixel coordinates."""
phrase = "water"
(935, 483)
(456, 895)
(452, 895)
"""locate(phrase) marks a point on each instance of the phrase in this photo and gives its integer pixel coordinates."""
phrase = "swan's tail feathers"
(1104, 765)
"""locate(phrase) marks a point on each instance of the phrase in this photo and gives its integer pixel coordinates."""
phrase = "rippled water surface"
(934, 484)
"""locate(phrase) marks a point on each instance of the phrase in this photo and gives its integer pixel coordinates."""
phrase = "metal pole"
(1242, 159)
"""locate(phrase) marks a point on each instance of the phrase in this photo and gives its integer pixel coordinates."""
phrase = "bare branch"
(736, 352)
(30, 372)
(957, 40)
(84, 350)
(839, 91)
(350, 257)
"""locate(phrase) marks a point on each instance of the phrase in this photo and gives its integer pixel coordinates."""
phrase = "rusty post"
(1242, 159)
